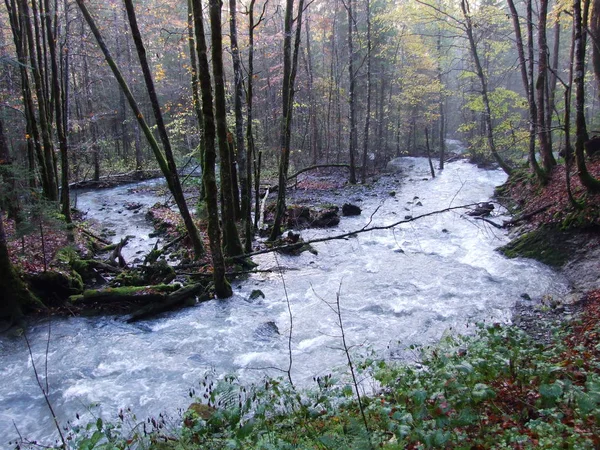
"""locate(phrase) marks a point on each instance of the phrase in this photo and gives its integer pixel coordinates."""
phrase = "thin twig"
(45, 392)
(289, 307)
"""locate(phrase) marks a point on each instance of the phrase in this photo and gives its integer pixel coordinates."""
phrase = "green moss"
(54, 287)
(547, 245)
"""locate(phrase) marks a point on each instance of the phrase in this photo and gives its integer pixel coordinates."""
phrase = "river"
(398, 287)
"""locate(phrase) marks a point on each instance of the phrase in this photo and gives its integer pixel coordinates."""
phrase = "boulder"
(55, 287)
(349, 209)
(327, 218)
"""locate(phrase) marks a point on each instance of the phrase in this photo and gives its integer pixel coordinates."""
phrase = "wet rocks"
(348, 209)
(327, 218)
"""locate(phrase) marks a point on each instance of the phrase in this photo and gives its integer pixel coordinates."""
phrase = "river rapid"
(397, 287)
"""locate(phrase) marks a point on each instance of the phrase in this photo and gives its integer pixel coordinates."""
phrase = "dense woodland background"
(288, 84)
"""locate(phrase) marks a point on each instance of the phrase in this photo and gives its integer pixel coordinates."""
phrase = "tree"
(363, 172)
(543, 128)
(468, 25)
(222, 286)
(242, 155)
(528, 84)
(586, 178)
(231, 240)
(167, 165)
(352, 71)
(290, 66)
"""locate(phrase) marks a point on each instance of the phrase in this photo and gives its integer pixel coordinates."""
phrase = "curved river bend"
(398, 287)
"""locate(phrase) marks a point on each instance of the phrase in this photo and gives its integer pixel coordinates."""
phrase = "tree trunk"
(527, 86)
(222, 286)
(195, 85)
(290, 65)
(484, 88)
(363, 171)
(231, 241)
(58, 95)
(251, 157)
(595, 33)
(172, 177)
(543, 130)
(41, 90)
(238, 96)
(586, 178)
(351, 99)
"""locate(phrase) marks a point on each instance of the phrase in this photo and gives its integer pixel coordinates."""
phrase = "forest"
(258, 117)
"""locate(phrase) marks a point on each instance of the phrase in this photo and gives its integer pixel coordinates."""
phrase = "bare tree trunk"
(484, 88)
(172, 177)
(351, 99)
(238, 96)
(167, 167)
(527, 85)
(553, 77)
(196, 89)
(313, 133)
(57, 94)
(363, 171)
(290, 65)
(34, 49)
(543, 130)
(252, 157)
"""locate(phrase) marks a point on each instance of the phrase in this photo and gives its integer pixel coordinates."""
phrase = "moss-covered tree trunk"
(231, 240)
(222, 286)
(586, 178)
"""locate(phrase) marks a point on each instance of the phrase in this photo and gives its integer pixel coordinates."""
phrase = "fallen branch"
(317, 166)
(527, 216)
(365, 229)
(491, 222)
(235, 273)
(116, 256)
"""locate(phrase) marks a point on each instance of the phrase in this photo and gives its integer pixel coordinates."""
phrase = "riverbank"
(557, 232)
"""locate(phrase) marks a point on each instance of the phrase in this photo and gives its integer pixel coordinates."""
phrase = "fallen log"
(136, 294)
(173, 300)
(317, 166)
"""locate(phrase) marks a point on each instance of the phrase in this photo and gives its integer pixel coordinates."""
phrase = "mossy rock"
(84, 269)
(548, 245)
(55, 287)
(159, 272)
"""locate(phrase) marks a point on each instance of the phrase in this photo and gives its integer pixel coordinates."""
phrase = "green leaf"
(482, 392)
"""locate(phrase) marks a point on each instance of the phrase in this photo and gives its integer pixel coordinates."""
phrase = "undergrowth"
(495, 389)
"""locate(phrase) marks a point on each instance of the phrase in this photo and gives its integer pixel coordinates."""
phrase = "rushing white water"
(397, 287)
